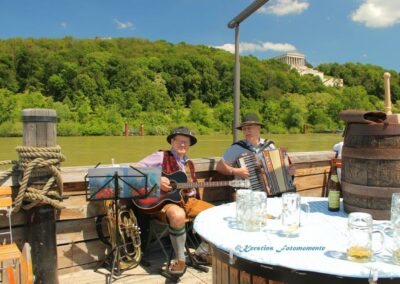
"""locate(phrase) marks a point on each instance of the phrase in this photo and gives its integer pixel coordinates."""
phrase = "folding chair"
(190, 260)
(9, 253)
(10, 256)
(6, 209)
(22, 274)
(157, 232)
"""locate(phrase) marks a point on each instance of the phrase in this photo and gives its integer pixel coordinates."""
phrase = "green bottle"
(334, 194)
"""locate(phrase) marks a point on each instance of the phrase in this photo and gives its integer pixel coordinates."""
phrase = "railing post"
(39, 130)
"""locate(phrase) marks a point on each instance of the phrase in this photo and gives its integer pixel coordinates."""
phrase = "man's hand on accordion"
(242, 172)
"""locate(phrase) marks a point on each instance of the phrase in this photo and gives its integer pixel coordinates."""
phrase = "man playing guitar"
(175, 214)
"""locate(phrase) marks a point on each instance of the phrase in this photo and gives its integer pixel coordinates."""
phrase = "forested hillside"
(96, 85)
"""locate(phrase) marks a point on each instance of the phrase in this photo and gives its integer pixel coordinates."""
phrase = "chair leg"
(158, 237)
(192, 262)
(8, 276)
(10, 224)
(191, 239)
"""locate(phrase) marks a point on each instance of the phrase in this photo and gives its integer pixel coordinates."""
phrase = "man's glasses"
(182, 142)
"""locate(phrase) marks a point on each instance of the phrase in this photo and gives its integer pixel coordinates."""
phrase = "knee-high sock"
(178, 240)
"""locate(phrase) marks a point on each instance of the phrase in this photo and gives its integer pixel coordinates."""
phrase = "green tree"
(355, 98)
(7, 106)
(200, 113)
(56, 86)
(223, 112)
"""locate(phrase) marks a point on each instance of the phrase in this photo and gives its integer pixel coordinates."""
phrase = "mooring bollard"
(39, 130)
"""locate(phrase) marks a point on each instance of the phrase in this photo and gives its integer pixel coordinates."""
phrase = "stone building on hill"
(297, 61)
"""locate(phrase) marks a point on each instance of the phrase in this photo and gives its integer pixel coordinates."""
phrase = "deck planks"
(78, 245)
(140, 274)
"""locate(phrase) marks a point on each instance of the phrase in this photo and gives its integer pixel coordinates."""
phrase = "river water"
(90, 150)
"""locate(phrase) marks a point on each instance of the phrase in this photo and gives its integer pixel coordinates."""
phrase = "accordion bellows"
(269, 171)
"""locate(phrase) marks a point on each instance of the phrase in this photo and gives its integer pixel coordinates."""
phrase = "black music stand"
(92, 195)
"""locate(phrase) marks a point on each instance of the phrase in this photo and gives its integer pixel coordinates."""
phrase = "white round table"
(317, 252)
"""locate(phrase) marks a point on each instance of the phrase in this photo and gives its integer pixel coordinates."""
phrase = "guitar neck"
(202, 184)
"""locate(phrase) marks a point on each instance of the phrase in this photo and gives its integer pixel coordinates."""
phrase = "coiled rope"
(39, 162)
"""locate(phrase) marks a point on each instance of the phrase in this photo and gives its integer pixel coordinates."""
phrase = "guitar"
(178, 181)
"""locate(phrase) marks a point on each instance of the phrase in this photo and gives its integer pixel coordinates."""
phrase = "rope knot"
(38, 164)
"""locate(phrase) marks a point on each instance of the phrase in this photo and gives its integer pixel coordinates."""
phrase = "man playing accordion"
(252, 144)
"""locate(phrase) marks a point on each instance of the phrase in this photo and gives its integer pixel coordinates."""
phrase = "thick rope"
(42, 159)
(6, 173)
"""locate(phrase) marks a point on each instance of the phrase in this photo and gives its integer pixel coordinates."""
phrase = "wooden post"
(141, 133)
(305, 129)
(388, 101)
(390, 118)
(39, 130)
(126, 132)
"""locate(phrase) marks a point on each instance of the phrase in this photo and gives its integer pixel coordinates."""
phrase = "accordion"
(269, 171)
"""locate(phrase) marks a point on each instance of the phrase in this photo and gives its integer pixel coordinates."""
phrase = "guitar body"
(155, 204)
(178, 181)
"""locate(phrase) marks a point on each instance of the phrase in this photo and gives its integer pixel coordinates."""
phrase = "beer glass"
(249, 218)
(395, 211)
(291, 211)
(396, 246)
(360, 230)
(242, 195)
(251, 209)
(260, 200)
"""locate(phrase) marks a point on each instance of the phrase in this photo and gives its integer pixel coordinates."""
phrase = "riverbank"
(90, 150)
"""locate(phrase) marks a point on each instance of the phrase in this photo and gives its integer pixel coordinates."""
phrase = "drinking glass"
(260, 199)
(360, 231)
(396, 246)
(395, 211)
(242, 195)
(291, 211)
(249, 219)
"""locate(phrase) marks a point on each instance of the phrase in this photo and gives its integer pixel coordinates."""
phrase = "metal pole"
(234, 23)
(236, 96)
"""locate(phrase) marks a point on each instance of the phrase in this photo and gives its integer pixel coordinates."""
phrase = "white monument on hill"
(297, 60)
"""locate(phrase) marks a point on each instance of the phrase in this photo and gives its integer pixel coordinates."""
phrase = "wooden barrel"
(239, 271)
(244, 271)
(371, 168)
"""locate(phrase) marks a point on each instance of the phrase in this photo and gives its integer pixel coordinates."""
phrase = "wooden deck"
(140, 274)
(79, 247)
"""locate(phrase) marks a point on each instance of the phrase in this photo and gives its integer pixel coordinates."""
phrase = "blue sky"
(326, 31)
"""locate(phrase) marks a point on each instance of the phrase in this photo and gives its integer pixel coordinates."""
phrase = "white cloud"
(262, 46)
(124, 26)
(63, 25)
(378, 13)
(285, 7)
